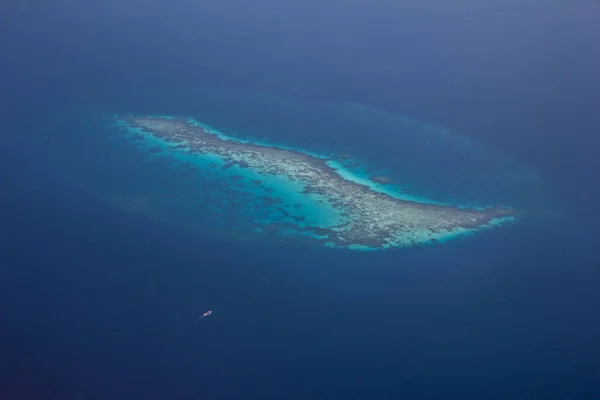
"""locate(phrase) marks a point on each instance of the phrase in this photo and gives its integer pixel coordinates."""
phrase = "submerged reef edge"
(300, 193)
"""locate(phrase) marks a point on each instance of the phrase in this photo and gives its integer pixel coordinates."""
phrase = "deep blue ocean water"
(100, 302)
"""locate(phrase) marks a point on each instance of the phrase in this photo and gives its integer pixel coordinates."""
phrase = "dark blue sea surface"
(470, 102)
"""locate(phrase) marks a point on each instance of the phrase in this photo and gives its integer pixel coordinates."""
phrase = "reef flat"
(311, 196)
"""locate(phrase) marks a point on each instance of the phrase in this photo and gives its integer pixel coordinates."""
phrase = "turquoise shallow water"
(276, 195)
